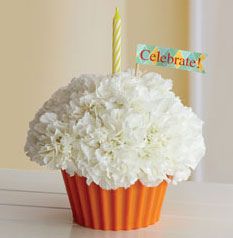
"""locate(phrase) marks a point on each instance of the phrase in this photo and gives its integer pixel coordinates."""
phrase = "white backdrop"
(212, 95)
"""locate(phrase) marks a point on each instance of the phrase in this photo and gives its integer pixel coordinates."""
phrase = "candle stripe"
(117, 65)
(117, 39)
(116, 43)
(117, 25)
(117, 50)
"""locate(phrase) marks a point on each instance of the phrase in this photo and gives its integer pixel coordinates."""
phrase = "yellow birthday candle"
(116, 43)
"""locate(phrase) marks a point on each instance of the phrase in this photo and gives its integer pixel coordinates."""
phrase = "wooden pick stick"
(136, 69)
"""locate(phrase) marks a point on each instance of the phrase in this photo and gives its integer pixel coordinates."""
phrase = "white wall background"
(212, 95)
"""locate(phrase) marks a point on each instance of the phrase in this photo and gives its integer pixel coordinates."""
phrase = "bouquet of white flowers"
(116, 130)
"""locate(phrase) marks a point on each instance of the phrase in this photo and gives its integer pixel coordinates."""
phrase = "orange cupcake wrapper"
(120, 209)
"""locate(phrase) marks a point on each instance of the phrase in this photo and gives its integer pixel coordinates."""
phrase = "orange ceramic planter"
(120, 209)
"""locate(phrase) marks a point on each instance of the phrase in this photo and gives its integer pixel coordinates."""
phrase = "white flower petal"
(115, 130)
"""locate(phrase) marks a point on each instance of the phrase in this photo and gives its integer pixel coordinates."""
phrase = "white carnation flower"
(115, 130)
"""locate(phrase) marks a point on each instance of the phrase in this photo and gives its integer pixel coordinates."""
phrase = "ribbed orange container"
(120, 209)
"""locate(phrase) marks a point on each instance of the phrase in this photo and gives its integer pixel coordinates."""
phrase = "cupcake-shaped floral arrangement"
(118, 140)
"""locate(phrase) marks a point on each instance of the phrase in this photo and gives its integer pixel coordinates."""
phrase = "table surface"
(34, 204)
